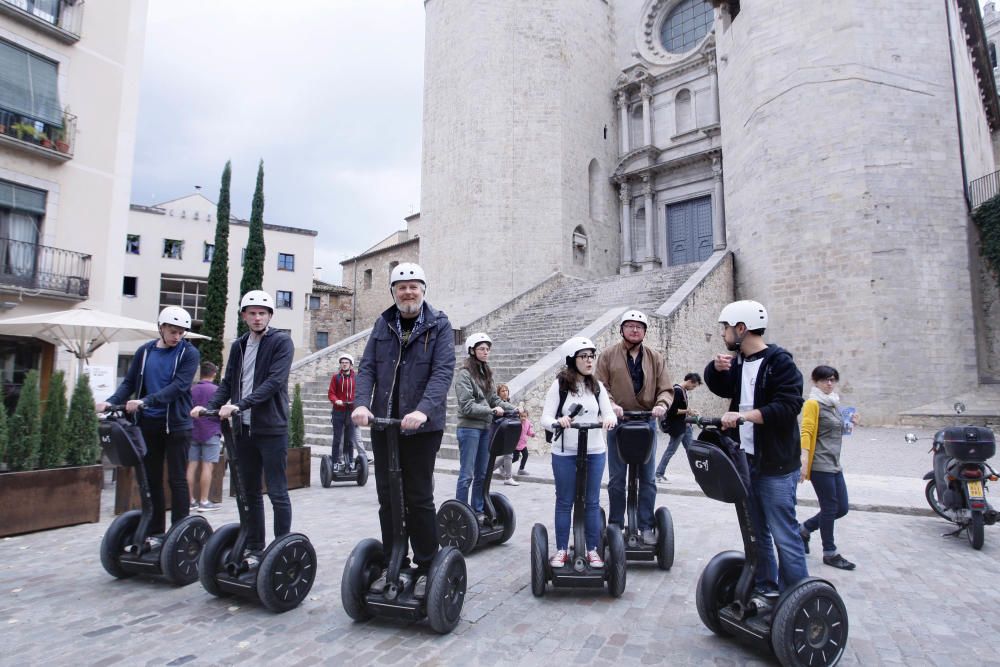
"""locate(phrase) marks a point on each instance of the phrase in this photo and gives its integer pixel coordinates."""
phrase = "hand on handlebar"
(658, 411)
(133, 406)
(498, 411)
(413, 421)
(564, 421)
(731, 420)
(361, 416)
(101, 406)
(617, 409)
(610, 422)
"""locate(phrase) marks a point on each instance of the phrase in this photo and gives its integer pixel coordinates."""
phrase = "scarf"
(832, 399)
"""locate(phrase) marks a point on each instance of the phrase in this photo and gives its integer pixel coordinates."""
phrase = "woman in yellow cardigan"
(822, 437)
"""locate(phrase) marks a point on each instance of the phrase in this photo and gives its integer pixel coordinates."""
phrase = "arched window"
(392, 265)
(596, 190)
(635, 127)
(683, 111)
(579, 246)
(367, 279)
(686, 25)
(639, 231)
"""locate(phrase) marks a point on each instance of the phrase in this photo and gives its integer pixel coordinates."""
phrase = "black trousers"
(417, 454)
(172, 447)
(265, 456)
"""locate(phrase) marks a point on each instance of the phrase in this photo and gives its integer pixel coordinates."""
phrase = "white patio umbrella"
(81, 331)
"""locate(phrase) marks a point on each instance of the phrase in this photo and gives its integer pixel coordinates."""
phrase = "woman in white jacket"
(576, 384)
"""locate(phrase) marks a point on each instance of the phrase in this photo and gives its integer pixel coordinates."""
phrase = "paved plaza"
(915, 599)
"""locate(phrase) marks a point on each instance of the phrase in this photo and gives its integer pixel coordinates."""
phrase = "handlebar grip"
(637, 414)
(209, 413)
(709, 421)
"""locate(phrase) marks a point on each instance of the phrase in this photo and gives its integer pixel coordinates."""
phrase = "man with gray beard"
(406, 373)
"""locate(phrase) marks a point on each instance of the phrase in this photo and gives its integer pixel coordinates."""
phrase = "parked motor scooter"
(956, 487)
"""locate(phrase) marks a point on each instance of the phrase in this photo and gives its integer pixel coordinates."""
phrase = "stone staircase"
(525, 336)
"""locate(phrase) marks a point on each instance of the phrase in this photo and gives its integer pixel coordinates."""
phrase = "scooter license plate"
(975, 489)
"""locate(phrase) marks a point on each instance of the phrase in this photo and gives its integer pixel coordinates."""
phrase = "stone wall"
(323, 364)
(374, 297)
(333, 316)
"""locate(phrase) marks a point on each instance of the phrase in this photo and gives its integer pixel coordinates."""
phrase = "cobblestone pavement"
(915, 599)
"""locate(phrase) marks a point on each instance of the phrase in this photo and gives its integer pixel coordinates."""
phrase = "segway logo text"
(703, 464)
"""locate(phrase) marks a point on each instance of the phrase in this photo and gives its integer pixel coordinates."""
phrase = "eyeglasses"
(634, 327)
(586, 356)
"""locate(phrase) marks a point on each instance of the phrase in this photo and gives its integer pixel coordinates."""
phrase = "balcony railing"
(33, 266)
(983, 189)
(60, 18)
(37, 135)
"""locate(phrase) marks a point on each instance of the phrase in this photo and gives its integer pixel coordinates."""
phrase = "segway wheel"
(615, 561)
(326, 471)
(182, 549)
(457, 526)
(446, 584)
(810, 625)
(931, 493)
(363, 568)
(361, 462)
(505, 514)
(539, 559)
(286, 573)
(117, 537)
(601, 543)
(975, 531)
(716, 588)
(664, 539)
(214, 555)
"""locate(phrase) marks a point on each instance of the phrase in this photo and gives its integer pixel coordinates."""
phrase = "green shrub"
(25, 428)
(53, 445)
(297, 420)
(987, 219)
(82, 444)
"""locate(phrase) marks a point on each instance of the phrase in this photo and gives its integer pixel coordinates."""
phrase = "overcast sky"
(327, 92)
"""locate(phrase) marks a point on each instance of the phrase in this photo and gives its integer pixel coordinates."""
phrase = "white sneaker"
(594, 559)
(559, 559)
(511, 482)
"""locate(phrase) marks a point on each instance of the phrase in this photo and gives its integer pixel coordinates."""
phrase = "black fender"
(929, 475)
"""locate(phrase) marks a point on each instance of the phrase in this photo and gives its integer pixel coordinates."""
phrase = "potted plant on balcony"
(44, 140)
(26, 132)
(37, 499)
(59, 134)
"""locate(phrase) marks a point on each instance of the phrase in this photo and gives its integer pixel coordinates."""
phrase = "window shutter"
(28, 85)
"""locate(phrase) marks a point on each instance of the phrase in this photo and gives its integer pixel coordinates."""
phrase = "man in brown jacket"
(635, 376)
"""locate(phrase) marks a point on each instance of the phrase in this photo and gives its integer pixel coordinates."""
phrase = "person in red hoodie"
(341, 395)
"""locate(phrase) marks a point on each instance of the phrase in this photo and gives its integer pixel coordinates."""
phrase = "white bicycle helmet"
(474, 340)
(751, 313)
(575, 346)
(175, 315)
(345, 356)
(633, 316)
(257, 298)
(406, 271)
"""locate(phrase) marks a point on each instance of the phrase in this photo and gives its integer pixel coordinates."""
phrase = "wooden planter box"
(298, 470)
(127, 488)
(43, 499)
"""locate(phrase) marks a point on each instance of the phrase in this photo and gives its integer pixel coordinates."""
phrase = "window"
(322, 339)
(684, 117)
(208, 252)
(47, 10)
(635, 133)
(392, 265)
(580, 246)
(368, 279)
(286, 262)
(21, 213)
(132, 244)
(993, 55)
(314, 302)
(28, 88)
(188, 293)
(686, 25)
(173, 249)
(283, 299)
(129, 286)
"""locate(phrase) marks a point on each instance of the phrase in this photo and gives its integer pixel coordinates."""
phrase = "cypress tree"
(83, 447)
(297, 421)
(25, 433)
(253, 262)
(53, 444)
(218, 280)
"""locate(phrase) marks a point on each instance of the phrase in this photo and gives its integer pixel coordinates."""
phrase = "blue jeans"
(617, 479)
(474, 458)
(267, 454)
(772, 510)
(675, 440)
(564, 474)
(831, 490)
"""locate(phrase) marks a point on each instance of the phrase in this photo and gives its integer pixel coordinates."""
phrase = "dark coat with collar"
(426, 367)
(778, 396)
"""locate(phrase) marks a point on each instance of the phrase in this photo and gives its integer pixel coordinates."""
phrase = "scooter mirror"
(959, 407)
(910, 437)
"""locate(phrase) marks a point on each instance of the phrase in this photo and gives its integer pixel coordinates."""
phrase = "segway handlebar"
(574, 410)
(637, 415)
(709, 421)
(507, 414)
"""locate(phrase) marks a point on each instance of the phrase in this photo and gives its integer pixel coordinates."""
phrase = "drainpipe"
(354, 299)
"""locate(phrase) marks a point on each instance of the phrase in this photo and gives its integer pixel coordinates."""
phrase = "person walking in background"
(206, 442)
(577, 384)
(478, 402)
(527, 431)
(678, 430)
(823, 429)
(764, 388)
(636, 377)
(504, 462)
(341, 395)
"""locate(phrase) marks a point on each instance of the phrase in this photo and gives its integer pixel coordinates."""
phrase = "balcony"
(36, 136)
(57, 18)
(54, 271)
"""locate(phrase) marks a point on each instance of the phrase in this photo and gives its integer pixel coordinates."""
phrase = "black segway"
(807, 624)
(280, 577)
(127, 548)
(636, 439)
(458, 525)
(577, 573)
(446, 581)
(354, 470)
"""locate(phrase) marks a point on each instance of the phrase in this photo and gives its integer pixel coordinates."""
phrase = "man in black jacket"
(255, 389)
(765, 391)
